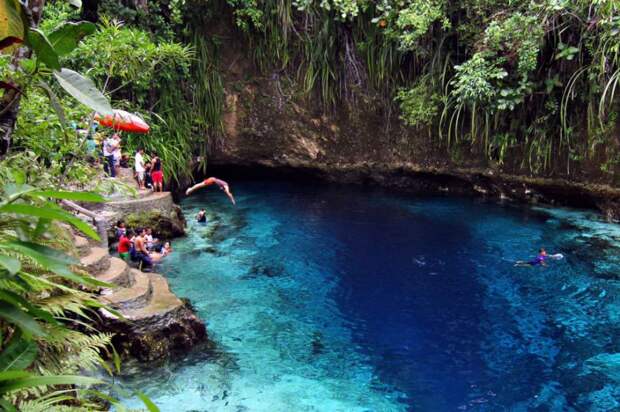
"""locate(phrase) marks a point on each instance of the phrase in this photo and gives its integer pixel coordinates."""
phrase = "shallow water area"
(338, 298)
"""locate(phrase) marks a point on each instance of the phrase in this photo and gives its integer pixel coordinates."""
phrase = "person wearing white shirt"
(109, 146)
(139, 167)
(148, 237)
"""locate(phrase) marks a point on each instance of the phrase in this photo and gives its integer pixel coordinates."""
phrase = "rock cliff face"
(267, 125)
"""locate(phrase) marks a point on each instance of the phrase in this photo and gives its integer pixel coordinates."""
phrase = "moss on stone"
(164, 227)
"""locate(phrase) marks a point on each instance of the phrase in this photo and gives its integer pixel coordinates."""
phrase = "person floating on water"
(540, 260)
(201, 217)
(210, 181)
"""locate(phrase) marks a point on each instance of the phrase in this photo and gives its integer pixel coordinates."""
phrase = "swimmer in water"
(211, 181)
(201, 217)
(539, 260)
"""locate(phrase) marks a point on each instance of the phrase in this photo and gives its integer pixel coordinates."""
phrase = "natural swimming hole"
(344, 298)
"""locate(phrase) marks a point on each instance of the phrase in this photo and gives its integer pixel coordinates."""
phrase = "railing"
(100, 223)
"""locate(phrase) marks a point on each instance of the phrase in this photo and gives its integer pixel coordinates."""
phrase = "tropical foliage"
(497, 75)
(47, 307)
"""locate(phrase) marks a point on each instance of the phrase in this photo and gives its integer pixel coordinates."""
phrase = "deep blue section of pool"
(336, 298)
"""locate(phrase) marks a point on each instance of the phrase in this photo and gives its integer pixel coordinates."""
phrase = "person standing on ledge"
(157, 174)
(139, 167)
(211, 181)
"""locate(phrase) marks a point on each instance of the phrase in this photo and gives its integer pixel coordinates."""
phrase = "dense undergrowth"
(527, 84)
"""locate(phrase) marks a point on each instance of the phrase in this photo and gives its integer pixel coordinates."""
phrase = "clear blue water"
(336, 298)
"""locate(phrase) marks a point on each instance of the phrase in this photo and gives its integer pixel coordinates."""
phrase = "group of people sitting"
(149, 174)
(140, 246)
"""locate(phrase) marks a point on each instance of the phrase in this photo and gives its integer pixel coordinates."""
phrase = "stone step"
(143, 197)
(82, 246)
(118, 273)
(96, 261)
(162, 301)
(151, 201)
(133, 297)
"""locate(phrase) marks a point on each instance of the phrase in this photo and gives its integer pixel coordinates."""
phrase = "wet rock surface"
(164, 226)
(157, 337)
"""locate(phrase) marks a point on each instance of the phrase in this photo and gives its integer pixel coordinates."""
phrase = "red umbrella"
(123, 121)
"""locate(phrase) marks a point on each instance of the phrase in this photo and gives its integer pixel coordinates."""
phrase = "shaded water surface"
(345, 299)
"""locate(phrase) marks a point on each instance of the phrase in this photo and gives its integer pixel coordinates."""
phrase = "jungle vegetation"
(51, 355)
(532, 83)
(533, 80)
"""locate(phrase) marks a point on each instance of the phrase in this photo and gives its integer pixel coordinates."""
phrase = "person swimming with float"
(541, 259)
(211, 181)
(201, 217)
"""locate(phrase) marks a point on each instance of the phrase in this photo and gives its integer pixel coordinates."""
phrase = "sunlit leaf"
(84, 90)
(10, 385)
(10, 375)
(12, 29)
(77, 196)
(11, 264)
(147, 402)
(50, 213)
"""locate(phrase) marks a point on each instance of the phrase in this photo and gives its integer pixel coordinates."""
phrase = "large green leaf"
(43, 48)
(50, 213)
(10, 385)
(77, 196)
(11, 264)
(147, 402)
(21, 319)
(14, 191)
(19, 353)
(84, 90)
(12, 29)
(66, 37)
(11, 375)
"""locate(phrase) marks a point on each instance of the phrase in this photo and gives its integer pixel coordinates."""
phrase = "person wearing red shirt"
(124, 246)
